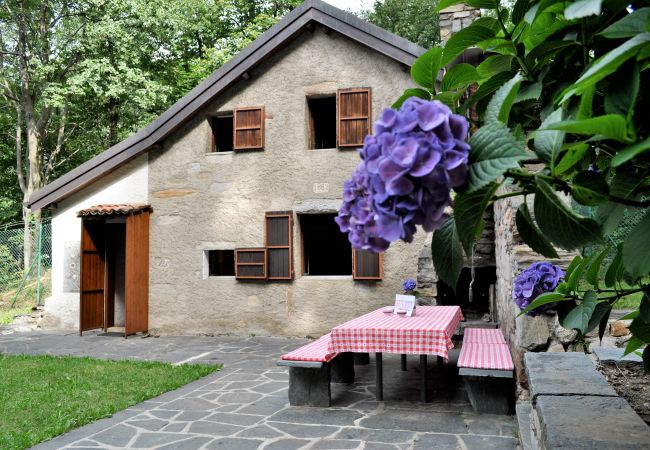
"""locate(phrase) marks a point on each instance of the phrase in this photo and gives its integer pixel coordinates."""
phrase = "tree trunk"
(113, 121)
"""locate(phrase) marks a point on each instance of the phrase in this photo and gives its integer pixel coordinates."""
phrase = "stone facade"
(455, 18)
(205, 201)
(217, 201)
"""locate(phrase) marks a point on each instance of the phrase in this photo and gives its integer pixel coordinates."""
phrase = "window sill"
(327, 277)
(331, 149)
(219, 153)
(220, 277)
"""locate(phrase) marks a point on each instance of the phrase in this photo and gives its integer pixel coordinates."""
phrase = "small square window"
(222, 133)
(322, 122)
(325, 250)
(221, 263)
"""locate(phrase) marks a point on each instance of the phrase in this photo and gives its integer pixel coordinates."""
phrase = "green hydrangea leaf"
(461, 75)
(611, 126)
(636, 249)
(589, 188)
(628, 26)
(607, 64)
(630, 152)
(425, 69)
(465, 38)
(543, 299)
(494, 150)
(578, 318)
(501, 102)
(583, 8)
(548, 143)
(447, 253)
(468, 214)
(530, 233)
(559, 223)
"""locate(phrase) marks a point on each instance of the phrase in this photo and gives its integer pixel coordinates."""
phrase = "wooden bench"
(487, 370)
(311, 368)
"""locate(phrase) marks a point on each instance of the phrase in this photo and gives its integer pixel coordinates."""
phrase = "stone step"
(523, 419)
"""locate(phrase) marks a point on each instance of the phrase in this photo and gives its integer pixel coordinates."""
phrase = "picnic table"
(428, 332)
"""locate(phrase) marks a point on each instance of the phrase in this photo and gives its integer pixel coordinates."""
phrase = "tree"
(415, 20)
(77, 76)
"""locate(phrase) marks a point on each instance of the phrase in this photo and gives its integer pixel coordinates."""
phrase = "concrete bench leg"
(490, 395)
(361, 359)
(343, 368)
(309, 386)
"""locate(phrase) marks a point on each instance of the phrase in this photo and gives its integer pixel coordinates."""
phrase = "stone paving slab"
(564, 374)
(610, 355)
(585, 422)
(244, 406)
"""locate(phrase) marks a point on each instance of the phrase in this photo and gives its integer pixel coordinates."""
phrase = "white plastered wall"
(128, 184)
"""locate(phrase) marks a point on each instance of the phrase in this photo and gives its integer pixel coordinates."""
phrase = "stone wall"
(205, 201)
(455, 18)
(524, 333)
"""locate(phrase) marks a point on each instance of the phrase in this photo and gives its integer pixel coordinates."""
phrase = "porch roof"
(124, 209)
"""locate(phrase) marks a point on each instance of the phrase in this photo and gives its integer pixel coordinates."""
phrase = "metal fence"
(25, 261)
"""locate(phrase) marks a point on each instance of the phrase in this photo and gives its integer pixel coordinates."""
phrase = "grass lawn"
(44, 396)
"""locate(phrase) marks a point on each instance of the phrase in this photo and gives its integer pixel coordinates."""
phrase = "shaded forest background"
(79, 76)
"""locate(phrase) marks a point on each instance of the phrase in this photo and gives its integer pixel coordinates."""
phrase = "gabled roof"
(274, 39)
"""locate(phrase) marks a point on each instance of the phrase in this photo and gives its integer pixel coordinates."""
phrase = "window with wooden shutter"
(279, 245)
(248, 128)
(354, 116)
(251, 264)
(367, 265)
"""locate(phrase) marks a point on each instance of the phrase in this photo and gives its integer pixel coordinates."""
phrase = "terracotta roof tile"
(123, 209)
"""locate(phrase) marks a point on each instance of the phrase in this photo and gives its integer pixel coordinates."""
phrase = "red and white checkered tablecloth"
(427, 333)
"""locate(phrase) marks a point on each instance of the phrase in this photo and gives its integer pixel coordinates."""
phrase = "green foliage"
(568, 80)
(45, 396)
(447, 253)
(415, 20)
(116, 65)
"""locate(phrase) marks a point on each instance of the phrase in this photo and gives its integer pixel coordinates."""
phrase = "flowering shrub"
(409, 166)
(409, 285)
(562, 83)
(537, 279)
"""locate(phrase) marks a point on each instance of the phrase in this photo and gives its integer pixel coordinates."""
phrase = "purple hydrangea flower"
(409, 285)
(409, 166)
(540, 277)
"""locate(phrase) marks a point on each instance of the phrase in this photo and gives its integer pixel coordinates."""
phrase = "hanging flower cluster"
(416, 156)
(537, 279)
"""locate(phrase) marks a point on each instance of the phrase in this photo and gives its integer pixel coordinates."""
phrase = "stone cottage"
(218, 216)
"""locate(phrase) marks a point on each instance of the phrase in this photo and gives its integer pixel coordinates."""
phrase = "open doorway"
(114, 275)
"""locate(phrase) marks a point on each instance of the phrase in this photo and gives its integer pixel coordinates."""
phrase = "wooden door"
(92, 275)
(136, 277)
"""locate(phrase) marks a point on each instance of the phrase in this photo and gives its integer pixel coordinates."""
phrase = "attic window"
(322, 122)
(222, 133)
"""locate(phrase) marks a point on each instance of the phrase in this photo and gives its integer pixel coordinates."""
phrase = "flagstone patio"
(244, 406)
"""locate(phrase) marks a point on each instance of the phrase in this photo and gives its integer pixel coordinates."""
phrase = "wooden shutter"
(354, 116)
(136, 274)
(367, 265)
(248, 128)
(250, 263)
(279, 245)
(92, 275)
